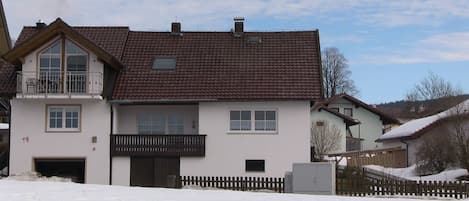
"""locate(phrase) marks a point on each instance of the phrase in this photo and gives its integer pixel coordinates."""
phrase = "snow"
(415, 125)
(12, 190)
(409, 173)
(4, 126)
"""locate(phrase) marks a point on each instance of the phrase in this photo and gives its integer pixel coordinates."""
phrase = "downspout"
(406, 152)
(9, 140)
(110, 144)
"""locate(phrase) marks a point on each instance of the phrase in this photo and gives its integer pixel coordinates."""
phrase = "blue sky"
(390, 45)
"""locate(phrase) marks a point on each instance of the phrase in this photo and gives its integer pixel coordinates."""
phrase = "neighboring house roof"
(417, 127)
(384, 117)
(5, 40)
(347, 120)
(209, 65)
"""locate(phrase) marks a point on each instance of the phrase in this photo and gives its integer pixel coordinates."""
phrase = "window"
(158, 124)
(240, 120)
(335, 109)
(164, 63)
(151, 124)
(265, 121)
(255, 165)
(50, 59)
(63, 118)
(320, 123)
(348, 112)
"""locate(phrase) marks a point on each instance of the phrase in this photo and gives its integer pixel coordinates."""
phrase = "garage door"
(67, 168)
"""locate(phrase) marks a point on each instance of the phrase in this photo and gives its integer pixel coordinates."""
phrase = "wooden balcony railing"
(157, 145)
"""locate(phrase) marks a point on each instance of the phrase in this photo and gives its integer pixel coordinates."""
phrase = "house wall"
(30, 65)
(227, 151)
(332, 120)
(370, 127)
(29, 140)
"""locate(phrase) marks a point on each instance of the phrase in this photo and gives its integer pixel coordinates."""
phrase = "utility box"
(314, 178)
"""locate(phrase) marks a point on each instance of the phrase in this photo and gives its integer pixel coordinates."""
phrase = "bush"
(435, 154)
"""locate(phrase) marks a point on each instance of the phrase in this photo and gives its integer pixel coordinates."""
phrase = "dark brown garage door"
(152, 171)
(68, 168)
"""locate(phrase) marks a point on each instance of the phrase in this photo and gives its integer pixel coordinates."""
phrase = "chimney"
(176, 29)
(40, 24)
(238, 26)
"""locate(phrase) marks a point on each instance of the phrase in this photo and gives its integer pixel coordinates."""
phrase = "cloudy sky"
(390, 45)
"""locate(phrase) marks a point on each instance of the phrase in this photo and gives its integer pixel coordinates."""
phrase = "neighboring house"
(410, 135)
(369, 126)
(108, 105)
(5, 46)
(323, 116)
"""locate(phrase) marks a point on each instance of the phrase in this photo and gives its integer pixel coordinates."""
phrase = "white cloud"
(448, 47)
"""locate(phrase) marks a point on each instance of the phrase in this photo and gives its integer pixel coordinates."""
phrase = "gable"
(30, 41)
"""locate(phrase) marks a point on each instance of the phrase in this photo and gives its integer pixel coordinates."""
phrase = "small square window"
(348, 112)
(320, 123)
(164, 63)
(255, 165)
(240, 120)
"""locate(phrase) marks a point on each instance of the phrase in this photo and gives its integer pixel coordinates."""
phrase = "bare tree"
(459, 126)
(434, 154)
(325, 138)
(336, 73)
(433, 87)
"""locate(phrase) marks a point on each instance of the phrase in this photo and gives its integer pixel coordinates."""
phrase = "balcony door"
(57, 75)
(160, 124)
(76, 68)
(50, 77)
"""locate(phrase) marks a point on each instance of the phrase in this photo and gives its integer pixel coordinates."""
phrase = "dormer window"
(164, 63)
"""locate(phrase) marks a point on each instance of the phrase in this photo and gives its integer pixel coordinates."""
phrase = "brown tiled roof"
(210, 65)
(216, 65)
(7, 78)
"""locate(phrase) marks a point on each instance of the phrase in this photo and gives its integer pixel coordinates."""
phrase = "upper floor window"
(164, 63)
(264, 120)
(63, 118)
(348, 112)
(77, 59)
(240, 120)
(50, 59)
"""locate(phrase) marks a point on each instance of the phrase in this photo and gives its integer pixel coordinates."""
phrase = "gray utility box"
(314, 178)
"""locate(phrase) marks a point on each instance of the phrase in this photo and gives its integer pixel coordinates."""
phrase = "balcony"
(59, 83)
(157, 145)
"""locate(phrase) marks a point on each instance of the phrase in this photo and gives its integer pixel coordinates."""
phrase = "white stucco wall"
(29, 140)
(370, 128)
(332, 120)
(226, 152)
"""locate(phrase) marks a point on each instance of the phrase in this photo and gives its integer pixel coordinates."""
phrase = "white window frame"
(64, 118)
(253, 121)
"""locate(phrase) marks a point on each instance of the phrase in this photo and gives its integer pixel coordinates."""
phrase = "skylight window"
(164, 63)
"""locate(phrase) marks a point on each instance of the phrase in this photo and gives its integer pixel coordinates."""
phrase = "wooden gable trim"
(56, 28)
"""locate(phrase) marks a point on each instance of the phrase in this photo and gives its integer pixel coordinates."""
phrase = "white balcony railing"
(59, 82)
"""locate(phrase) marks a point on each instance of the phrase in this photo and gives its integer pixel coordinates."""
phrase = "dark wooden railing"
(157, 145)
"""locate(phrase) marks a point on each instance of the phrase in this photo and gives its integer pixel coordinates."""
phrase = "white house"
(108, 105)
(369, 121)
(409, 136)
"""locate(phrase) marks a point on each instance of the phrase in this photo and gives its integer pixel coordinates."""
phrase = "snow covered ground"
(409, 173)
(13, 190)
